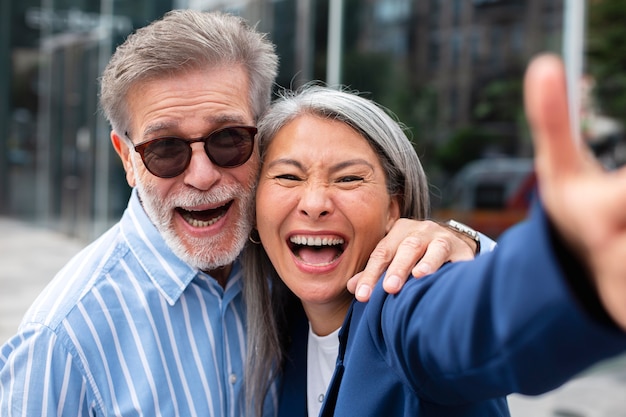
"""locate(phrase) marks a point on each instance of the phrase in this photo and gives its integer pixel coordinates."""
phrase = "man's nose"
(201, 173)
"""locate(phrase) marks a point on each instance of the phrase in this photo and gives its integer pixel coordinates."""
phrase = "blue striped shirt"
(127, 329)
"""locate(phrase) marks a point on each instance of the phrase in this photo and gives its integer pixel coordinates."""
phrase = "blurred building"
(471, 44)
(56, 161)
(467, 55)
(439, 65)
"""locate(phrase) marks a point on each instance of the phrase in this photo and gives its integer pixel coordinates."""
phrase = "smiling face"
(203, 213)
(322, 206)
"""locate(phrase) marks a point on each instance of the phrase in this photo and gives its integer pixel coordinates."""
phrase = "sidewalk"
(30, 256)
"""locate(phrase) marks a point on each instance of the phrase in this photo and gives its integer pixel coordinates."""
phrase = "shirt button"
(232, 379)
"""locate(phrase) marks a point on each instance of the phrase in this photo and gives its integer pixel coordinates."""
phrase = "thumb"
(546, 105)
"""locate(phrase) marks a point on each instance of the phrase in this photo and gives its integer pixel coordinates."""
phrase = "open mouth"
(204, 218)
(316, 250)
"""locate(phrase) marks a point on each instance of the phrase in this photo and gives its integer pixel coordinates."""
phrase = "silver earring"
(254, 237)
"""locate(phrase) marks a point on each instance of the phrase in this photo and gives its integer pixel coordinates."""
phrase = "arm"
(585, 203)
(39, 377)
(506, 322)
(415, 248)
(520, 319)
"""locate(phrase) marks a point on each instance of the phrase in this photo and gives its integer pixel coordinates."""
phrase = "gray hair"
(184, 40)
(403, 169)
(405, 179)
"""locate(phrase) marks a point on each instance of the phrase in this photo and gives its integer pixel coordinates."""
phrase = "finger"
(353, 282)
(437, 254)
(408, 254)
(546, 104)
(409, 251)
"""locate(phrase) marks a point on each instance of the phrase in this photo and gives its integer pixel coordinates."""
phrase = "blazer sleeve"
(505, 322)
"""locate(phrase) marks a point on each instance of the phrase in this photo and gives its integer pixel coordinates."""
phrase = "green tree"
(465, 145)
(499, 100)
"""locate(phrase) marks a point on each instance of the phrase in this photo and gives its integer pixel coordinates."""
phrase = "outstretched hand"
(586, 203)
(411, 247)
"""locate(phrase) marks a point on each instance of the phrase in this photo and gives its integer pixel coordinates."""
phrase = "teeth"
(199, 223)
(315, 241)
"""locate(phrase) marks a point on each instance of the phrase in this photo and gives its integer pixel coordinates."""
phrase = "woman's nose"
(315, 202)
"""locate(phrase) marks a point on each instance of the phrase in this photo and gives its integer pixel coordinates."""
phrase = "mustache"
(189, 198)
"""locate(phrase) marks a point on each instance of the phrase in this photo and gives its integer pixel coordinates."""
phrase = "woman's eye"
(350, 178)
(287, 177)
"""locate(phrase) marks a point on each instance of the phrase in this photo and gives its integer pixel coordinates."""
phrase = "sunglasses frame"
(141, 147)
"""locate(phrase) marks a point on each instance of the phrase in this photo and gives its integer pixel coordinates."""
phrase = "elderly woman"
(337, 172)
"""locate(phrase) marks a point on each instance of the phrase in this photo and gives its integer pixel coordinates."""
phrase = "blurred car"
(489, 195)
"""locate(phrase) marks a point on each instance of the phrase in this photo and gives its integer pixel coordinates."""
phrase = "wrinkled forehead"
(218, 97)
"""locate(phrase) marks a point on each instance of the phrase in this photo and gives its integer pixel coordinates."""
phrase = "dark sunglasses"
(169, 156)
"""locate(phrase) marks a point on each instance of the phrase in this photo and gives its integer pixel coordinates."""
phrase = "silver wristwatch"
(465, 230)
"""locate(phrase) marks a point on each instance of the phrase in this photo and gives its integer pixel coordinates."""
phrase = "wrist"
(469, 235)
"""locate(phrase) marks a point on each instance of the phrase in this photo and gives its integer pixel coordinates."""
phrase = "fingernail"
(363, 292)
(393, 281)
(424, 269)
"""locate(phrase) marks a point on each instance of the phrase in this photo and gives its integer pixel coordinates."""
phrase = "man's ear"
(122, 149)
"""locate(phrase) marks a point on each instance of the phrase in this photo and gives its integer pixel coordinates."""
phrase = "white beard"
(205, 254)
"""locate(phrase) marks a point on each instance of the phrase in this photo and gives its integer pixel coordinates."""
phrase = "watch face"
(467, 231)
(463, 228)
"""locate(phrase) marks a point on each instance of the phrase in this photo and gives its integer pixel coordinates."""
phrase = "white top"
(321, 358)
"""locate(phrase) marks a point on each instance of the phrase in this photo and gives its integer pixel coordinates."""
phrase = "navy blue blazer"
(457, 342)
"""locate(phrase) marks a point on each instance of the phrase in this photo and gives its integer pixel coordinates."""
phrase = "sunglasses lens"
(231, 147)
(167, 157)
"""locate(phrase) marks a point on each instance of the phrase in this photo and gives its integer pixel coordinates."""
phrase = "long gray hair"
(405, 179)
(184, 40)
